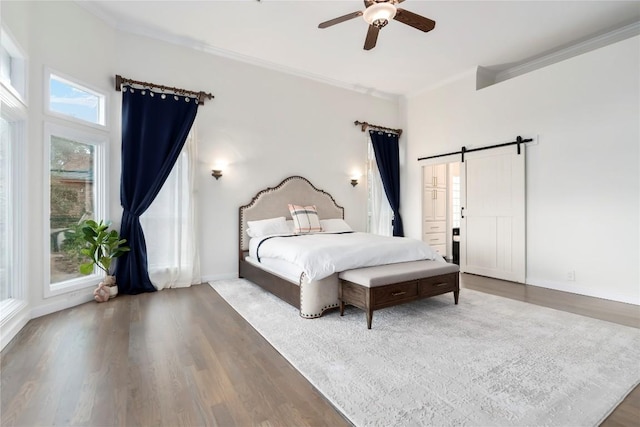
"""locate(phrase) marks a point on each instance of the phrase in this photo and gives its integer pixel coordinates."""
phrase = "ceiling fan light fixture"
(379, 14)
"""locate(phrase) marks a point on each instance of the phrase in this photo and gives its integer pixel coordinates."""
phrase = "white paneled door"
(493, 224)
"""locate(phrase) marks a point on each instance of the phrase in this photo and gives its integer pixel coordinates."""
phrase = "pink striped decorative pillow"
(305, 219)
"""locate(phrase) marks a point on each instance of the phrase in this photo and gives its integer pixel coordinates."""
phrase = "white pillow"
(305, 219)
(267, 227)
(335, 225)
(290, 225)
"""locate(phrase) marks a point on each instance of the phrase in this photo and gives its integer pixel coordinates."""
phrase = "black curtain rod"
(365, 125)
(464, 150)
(199, 94)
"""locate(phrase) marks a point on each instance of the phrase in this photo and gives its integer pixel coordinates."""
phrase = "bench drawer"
(438, 284)
(390, 294)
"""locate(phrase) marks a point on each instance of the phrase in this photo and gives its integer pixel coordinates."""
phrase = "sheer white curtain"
(170, 223)
(380, 212)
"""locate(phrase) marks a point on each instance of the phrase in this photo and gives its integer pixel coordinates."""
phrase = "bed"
(312, 290)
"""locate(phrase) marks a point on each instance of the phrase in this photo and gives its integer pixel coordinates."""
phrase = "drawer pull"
(437, 285)
(395, 294)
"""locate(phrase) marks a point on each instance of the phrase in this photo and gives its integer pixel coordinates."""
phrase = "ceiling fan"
(378, 13)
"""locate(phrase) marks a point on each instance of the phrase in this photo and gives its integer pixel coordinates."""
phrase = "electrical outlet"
(571, 275)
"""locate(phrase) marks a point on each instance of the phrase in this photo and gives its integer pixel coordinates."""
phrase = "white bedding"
(281, 268)
(322, 254)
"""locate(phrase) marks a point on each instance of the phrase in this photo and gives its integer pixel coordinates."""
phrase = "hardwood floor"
(176, 357)
(185, 357)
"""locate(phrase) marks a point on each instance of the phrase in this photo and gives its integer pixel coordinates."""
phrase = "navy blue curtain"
(154, 129)
(387, 151)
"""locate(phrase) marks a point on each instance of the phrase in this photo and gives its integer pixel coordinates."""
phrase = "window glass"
(5, 66)
(5, 213)
(76, 101)
(71, 201)
(13, 66)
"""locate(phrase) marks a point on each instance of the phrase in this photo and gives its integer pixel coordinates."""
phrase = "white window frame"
(17, 83)
(104, 99)
(100, 142)
(14, 111)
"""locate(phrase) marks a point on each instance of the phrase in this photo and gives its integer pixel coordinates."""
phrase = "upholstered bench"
(372, 288)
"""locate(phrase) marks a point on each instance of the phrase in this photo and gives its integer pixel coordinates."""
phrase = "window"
(75, 176)
(10, 141)
(380, 214)
(13, 124)
(13, 67)
(76, 182)
(74, 101)
(169, 226)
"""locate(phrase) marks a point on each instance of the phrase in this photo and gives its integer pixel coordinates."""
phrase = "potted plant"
(101, 247)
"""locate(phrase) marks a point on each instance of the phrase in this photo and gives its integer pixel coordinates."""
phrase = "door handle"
(461, 212)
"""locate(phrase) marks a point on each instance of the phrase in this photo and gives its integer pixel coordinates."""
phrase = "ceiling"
(284, 35)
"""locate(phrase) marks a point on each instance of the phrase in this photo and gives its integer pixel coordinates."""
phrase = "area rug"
(489, 361)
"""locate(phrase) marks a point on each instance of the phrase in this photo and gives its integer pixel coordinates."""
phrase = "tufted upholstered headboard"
(273, 202)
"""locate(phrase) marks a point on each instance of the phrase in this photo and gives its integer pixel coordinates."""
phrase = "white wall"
(42, 30)
(269, 125)
(583, 189)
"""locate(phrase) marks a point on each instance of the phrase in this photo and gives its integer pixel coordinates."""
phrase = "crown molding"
(574, 49)
(444, 82)
(526, 66)
(144, 31)
(531, 64)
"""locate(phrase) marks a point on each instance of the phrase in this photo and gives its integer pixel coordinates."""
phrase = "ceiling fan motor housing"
(379, 14)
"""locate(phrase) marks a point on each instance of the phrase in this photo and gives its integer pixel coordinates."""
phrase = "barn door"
(493, 225)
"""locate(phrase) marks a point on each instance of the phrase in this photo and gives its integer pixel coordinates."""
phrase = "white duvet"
(320, 255)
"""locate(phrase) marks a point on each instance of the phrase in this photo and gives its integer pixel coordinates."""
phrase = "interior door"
(492, 241)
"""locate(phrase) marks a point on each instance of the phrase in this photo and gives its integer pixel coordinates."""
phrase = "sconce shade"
(354, 182)
(216, 173)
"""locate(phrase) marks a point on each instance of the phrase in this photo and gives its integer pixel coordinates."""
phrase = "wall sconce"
(354, 181)
(216, 173)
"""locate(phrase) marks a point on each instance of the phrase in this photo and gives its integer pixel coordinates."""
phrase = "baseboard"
(73, 299)
(580, 290)
(13, 325)
(225, 276)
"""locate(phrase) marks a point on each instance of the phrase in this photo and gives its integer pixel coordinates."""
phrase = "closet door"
(493, 224)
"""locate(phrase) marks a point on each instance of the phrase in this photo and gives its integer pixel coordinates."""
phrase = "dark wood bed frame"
(327, 208)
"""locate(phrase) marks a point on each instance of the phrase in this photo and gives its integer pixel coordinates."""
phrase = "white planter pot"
(110, 282)
(113, 291)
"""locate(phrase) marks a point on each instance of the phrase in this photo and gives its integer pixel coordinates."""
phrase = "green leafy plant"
(101, 247)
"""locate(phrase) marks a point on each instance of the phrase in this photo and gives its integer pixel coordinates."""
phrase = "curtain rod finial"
(118, 82)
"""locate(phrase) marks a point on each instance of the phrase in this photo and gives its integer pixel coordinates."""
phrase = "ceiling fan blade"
(368, 3)
(340, 19)
(372, 37)
(414, 20)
